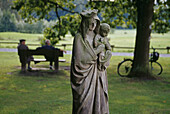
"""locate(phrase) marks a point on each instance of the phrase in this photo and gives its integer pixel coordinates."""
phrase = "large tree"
(141, 54)
(145, 15)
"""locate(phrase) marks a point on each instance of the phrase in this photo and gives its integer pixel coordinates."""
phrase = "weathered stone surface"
(89, 84)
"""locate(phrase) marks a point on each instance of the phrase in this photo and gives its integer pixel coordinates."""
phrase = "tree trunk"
(140, 66)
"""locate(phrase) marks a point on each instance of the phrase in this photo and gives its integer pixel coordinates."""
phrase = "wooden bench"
(45, 60)
(50, 55)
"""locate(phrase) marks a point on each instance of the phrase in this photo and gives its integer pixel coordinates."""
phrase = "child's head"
(104, 29)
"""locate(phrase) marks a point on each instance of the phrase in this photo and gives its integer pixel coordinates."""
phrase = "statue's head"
(90, 21)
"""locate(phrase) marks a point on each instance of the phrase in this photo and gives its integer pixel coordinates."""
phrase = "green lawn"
(46, 92)
(123, 38)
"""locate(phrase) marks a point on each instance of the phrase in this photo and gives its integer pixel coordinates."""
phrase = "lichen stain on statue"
(90, 59)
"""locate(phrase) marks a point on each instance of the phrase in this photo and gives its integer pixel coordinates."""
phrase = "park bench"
(50, 55)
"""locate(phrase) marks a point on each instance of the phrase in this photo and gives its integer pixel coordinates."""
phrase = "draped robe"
(89, 86)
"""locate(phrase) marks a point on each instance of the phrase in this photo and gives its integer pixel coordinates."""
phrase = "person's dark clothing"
(49, 58)
(23, 59)
(22, 47)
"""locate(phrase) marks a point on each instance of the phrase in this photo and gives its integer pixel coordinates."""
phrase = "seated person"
(26, 59)
(48, 46)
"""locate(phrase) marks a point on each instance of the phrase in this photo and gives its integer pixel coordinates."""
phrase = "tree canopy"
(34, 10)
(125, 12)
(117, 13)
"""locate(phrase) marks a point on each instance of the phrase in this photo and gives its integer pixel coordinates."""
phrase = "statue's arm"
(97, 41)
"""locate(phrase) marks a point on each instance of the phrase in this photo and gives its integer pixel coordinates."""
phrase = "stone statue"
(88, 82)
(99, 39)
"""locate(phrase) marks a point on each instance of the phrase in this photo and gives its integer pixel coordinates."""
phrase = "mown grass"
(34, 92)
(48, 92)
(119, 38)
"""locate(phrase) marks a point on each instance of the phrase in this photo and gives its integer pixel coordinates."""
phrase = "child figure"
(99, 39)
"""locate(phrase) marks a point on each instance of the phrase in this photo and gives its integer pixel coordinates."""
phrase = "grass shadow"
(43, 72)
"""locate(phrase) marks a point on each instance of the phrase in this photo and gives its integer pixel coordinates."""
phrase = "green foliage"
(161, 17)
(116, 13)
(122, 12)
(69, 23)
(40, 9)
(51, 35)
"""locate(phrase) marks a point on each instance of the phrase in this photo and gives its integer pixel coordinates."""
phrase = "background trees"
(7, 21)
(11, 21)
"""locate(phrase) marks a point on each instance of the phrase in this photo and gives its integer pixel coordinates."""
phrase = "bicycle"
(125, 66)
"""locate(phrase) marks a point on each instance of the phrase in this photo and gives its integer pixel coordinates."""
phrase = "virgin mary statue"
(89, 90)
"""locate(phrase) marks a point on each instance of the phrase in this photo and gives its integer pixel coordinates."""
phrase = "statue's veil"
(87, 17)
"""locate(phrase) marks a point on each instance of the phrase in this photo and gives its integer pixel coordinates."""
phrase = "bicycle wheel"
(124, 67)
(156, 68)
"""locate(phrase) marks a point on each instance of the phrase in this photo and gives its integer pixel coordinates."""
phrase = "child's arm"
(107, 44)
(96, 41)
